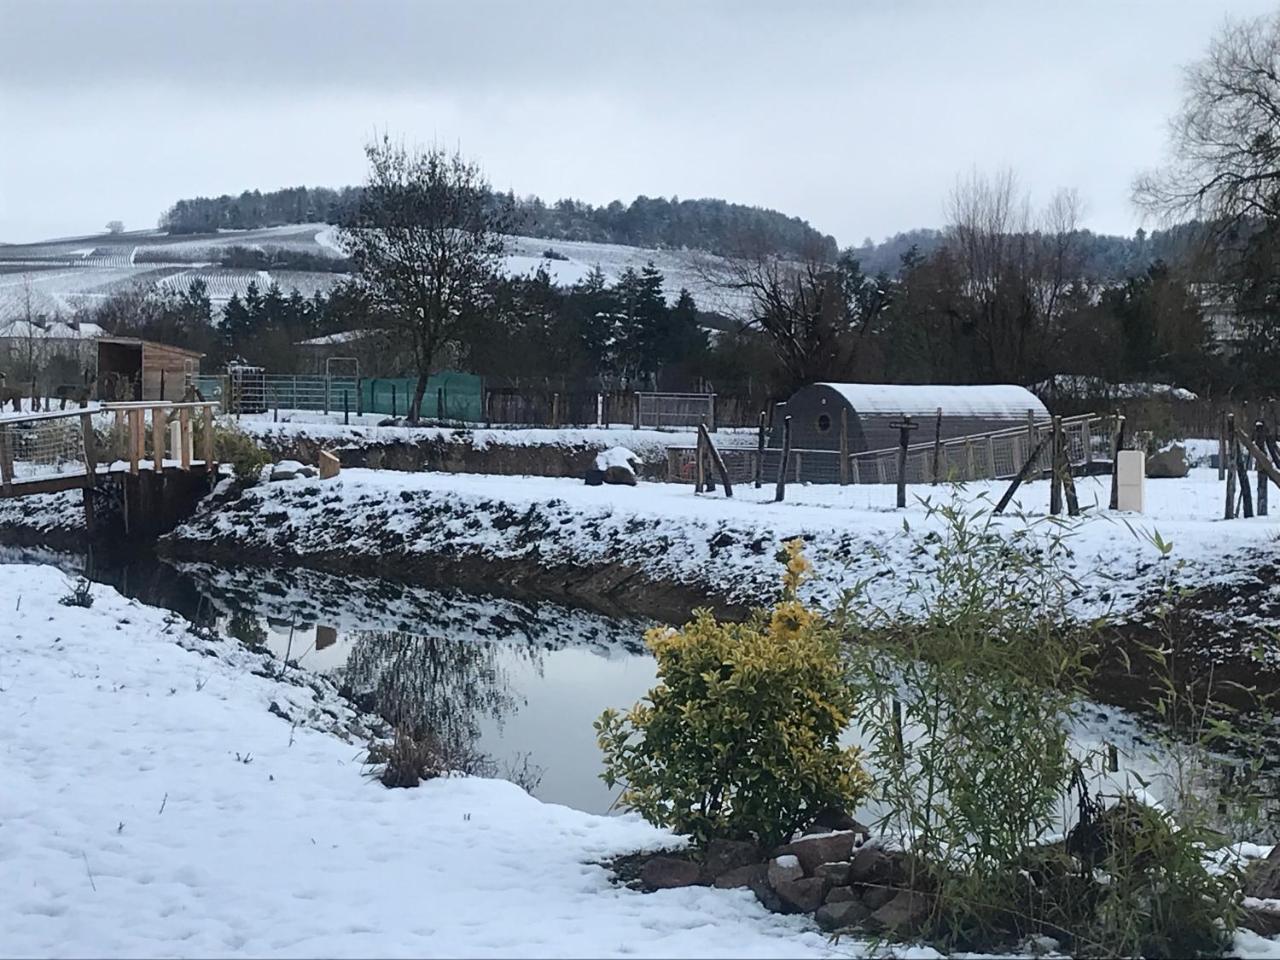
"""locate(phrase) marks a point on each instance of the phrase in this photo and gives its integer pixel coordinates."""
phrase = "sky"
(856, 115)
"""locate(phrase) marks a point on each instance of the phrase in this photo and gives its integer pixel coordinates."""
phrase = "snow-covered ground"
(153, 806)
(727, 545)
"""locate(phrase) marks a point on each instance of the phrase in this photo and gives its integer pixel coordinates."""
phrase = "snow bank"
(726, 546)
(153, 806)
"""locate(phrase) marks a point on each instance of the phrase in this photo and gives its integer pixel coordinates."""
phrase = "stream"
(519, 681)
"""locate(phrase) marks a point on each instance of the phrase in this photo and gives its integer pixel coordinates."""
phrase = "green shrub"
(232, 445)
(740, 737)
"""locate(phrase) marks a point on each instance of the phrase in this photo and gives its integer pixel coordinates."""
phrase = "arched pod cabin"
(872, 409)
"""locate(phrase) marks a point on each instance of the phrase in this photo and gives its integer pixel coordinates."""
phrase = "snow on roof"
(342, 336)
(998, 401)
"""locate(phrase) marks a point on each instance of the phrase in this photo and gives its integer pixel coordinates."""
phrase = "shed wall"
(174, 362)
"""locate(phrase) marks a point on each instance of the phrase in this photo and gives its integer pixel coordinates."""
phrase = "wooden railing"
(61, 450)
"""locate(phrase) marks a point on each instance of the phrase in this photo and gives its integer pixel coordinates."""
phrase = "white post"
(1131, 476)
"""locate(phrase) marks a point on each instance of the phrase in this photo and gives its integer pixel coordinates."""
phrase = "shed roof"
(998, 400)
(139, 342)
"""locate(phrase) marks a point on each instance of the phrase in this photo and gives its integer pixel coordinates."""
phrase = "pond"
(521, 682)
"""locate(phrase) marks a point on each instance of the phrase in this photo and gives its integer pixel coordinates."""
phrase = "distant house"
(55, 351)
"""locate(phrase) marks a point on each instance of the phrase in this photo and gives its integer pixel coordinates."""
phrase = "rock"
(725, 855)
(821, 848)
(904, 915)
(739, 877)
(287, 470)
(880, 867)
(390, 422)
(784, 869)
(841, 915)
(1263, 922)
(833, 818)
(1171, 462)
(330, 465)
(1262, 878)
(836, 873)
(622, 476)
(801, 896)
(594, 477)
(842, 894)
(876, 897)
(666, 873)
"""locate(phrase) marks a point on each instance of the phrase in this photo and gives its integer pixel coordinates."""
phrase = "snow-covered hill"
(59, 277)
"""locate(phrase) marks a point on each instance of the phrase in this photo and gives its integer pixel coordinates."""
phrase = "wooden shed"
(870, 408)
(133, 369)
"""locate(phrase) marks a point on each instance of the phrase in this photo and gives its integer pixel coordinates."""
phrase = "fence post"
(1086, 437)
(6, 459)
(635, 409)
(699, 483)
(346, 408)
(991, 456)
(134, 434)
(1229, 458)
(712, 403)
(760, 452)
(441, 413)
(555, 409)
(161, 397)
(157, 437)
(1117, 444)
(799, 466)
(1055, 471)
(1260, 441)
(359, 398)
(1222, 448)
(937, 445)
(844, 445)
(184, 433)
(781, 490)
(207, 451)
(393, 400)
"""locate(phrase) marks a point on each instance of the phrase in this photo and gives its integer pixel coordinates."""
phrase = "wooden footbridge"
(144, 441)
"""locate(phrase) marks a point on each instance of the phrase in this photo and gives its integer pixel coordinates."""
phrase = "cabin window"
(824, 423)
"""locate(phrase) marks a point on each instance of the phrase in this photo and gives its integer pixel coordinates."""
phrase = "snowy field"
(61, 276)
(727, 545)
(152, 806)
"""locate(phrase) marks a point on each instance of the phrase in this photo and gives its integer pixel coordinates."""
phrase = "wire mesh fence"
(998, 455)
(678, 410)
(42, 449)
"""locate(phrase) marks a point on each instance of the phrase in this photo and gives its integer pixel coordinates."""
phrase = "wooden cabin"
(133, 369)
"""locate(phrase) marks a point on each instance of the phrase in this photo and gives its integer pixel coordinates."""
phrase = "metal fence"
(676, 410)
(996, 455)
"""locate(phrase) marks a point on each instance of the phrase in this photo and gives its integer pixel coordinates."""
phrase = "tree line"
(715, 226)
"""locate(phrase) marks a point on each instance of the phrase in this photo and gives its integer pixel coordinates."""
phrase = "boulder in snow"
(618, 465)
(1171, 462)
(666, 873)
(289, 469)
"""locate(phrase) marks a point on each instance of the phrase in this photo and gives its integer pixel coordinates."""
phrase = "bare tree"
(1015, 270)
(816, 315)
(426, 240)
(1225, 138)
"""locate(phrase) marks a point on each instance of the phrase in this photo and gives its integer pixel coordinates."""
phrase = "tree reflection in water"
(431, 685)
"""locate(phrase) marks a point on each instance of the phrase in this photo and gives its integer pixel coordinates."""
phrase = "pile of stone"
(842, 882)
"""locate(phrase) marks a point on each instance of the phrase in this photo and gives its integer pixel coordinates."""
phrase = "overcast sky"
(856, 115)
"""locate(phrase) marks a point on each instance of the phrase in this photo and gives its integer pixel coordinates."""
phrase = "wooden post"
(132, 439)
(326, 393)
(1272, 469)
(635, 410)
(699, 477)
(1228, 457)
(86, 433)
(184, 431)
(1222, 448)
(844, 445)
(157, 437)
(6, 460)
(555, 409)
(1260, 443)
(1117, 444)
(716, 459)
(440, 404)
(162, 396)
(760, 451)
(781, 490)
(1021, 476)
(1086, 437)
(393, 400)
(360, 398)
(346, 408)
(904, 428)
(1237, 456)
(937, 445)
(1055, 473)
(991, 457)
(207, 452)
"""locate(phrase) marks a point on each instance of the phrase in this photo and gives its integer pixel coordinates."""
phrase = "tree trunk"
(419, 391)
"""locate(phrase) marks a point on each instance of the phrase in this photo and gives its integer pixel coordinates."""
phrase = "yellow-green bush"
(740, 737)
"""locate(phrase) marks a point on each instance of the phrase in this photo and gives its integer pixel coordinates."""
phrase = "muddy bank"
(616, 589)
(457, 453)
